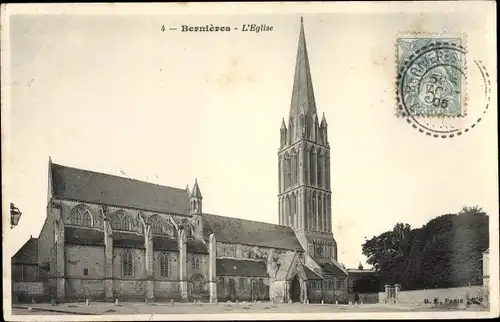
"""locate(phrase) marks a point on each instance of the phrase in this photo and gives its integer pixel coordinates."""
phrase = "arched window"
(164, 265)
(157, 227)
(127, 263)
(76, 218)
(196, 262)
(188, 229)
(126, 224)
(116, 222)
(309, 126)
(314, 163)
(314, 203)
(293, 210)
(327, 172)
(87, 219)
(306, 167)
(294, 168)
(288, 207)
(320, 170)
(320, 211)
(288, 171)
(302, 126)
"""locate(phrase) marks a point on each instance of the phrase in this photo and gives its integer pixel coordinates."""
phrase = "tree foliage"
(445, 252)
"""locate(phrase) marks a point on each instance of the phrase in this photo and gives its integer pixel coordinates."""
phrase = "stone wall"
(242, 288)
(84, 261)
(167, 290)
(420, 296)
(127, 290)
(369, 298)
(277, 290)
(82, 288)
(25, 292)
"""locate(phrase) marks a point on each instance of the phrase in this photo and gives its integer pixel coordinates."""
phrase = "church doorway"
(232, 290)
(295, 289)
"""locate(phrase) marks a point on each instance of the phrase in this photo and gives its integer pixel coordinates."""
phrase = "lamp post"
(15, 214)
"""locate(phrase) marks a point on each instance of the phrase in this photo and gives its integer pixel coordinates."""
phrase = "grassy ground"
(207, 308)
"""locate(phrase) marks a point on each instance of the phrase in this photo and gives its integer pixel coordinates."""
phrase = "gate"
(391, 294)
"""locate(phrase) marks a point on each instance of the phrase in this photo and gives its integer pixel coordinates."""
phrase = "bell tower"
(304, 165)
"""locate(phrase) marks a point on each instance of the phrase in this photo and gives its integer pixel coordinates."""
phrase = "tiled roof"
(84, 185)
(28, 254)
(330, 268)
(311, 275)
(165, 243)
(359, 272)
(285, 261)
(235, 267)
(196, 246)
(83, 236)
(123, 239)
(249, 232)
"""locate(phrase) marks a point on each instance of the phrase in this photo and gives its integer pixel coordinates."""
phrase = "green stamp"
(431, 76)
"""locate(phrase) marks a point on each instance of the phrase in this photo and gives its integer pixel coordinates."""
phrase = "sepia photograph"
(254, 161)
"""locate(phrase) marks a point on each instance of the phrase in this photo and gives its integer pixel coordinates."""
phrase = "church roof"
(352, 272)
(238, 267)
(28, 253)
(285, 263)
(330, 268)
(196, 246)
(165, 243)
(310, 274)
(95, 187)
(123, 239)
(83, 236)
(249, 232)
(302, 95)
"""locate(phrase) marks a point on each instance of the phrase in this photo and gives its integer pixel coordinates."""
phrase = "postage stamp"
(431, 77)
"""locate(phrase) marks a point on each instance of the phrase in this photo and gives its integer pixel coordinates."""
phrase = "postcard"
(249, 161)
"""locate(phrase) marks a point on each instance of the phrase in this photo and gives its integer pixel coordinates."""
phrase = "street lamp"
(15, 214)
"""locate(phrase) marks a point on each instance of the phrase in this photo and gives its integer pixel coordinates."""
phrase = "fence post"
(397, 288)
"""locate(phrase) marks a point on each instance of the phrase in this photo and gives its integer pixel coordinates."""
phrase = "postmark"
(431, 76)
(437, 92)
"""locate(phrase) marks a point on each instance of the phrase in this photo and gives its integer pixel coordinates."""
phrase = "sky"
(115, 94)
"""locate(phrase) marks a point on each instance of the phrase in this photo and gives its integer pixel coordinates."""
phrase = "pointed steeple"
(323, 119)
(302, 94)
(196, 193)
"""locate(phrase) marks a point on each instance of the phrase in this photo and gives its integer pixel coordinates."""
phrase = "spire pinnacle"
(283, 125)
(323, 119)
(196, 190)
(302, 94)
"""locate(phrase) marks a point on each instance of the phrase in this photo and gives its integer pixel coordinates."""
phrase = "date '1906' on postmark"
(431, 77)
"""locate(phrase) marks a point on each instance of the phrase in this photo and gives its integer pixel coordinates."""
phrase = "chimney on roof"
(360, 267)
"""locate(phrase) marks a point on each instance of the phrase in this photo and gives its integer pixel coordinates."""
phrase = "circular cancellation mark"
(436, 93)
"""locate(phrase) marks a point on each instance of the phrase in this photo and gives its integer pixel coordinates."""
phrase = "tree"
(445, 252)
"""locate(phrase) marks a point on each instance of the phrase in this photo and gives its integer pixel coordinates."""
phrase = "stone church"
(108, 237)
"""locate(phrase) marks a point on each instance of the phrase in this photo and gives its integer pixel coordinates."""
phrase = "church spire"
(302, 94)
